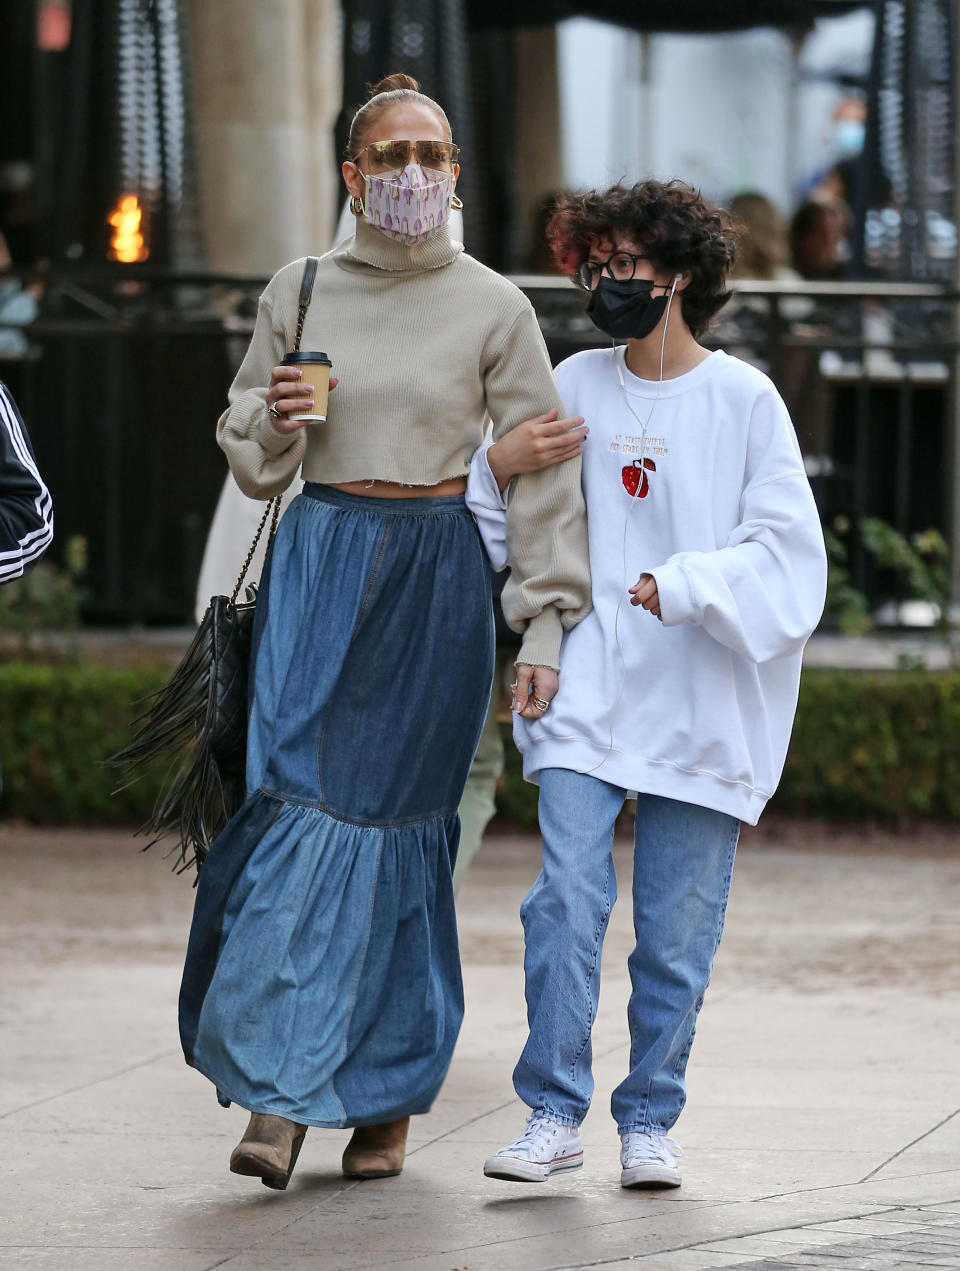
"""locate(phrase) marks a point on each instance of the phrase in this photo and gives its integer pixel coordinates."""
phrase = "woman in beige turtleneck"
(322, 984)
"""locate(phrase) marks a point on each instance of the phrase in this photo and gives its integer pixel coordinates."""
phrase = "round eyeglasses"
(621, 266)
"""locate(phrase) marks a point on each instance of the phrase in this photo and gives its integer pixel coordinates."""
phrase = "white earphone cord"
(644, 425)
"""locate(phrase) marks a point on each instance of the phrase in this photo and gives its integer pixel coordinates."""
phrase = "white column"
(267, 86)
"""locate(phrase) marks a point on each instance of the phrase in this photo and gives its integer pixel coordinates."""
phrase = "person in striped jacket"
(26, 509)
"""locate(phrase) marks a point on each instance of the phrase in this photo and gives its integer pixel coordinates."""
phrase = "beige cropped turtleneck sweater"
(424, 341)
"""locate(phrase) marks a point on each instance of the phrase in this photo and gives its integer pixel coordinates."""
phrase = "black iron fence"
(124, 373)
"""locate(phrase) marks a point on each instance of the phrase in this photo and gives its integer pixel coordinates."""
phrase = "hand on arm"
(536, 444)
(533, 690)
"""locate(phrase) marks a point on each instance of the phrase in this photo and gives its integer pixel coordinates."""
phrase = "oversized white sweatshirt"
(698, 707)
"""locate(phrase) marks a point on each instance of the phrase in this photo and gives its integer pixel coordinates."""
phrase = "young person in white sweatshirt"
(709, 574)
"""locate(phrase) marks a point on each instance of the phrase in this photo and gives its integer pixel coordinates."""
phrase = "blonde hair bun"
(394, 83)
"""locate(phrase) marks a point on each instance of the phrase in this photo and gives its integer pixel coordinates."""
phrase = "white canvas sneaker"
(648, 1160)
(545, 1147)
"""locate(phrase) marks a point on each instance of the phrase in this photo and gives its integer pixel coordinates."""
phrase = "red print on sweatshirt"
(635, 478)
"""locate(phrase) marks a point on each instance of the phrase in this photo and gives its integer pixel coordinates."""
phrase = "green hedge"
(885, 746)
(878, 746)
(57, 723)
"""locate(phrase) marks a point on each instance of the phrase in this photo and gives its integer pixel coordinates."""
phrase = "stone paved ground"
(899, 1239)
(822, 1129)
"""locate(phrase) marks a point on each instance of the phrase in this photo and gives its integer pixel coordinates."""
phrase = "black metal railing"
(125, 372)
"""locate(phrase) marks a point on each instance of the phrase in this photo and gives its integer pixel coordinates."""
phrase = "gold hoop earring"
(356, 205)
(457, 203)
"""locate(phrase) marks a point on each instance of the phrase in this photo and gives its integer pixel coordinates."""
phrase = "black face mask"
(625, 310)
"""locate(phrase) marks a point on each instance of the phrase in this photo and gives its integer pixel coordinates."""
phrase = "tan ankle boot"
(377, 1151)
(268, 1150)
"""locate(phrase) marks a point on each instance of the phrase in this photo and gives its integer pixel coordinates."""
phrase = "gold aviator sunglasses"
(396, 154)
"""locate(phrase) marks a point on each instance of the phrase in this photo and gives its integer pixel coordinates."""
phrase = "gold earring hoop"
(457, 203)
(356, 205)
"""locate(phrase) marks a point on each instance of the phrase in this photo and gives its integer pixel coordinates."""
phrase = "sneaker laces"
(540, 1130)
(654, 1148)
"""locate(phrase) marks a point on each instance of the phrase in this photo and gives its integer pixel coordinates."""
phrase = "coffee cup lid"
(291, 359)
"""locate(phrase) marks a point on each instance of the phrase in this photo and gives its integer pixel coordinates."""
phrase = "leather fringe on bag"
(197, 722)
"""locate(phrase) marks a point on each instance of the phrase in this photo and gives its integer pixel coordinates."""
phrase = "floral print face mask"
(410, 204)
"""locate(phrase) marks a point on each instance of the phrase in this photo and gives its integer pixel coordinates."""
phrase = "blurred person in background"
(819, 232)
(19, 302)
(818, 239)
(19, 306)
(26, 509)
(848, 132)
(18, 211)
(763, 254)
(763, 241)
(322, 984)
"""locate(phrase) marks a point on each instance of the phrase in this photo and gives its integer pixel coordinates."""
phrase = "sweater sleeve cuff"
(674, 594)
(259, 426)
(541, 640)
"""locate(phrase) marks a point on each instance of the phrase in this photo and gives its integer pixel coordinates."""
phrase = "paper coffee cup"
(315, 370)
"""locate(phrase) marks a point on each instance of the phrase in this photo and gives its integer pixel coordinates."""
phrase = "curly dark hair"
(673, 223)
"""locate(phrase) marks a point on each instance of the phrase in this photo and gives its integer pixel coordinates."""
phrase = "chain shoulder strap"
(273, 507)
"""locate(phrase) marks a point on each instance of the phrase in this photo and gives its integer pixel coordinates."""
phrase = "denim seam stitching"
(385, 825)
(371, 578)
(361, 614)
(281, 797)
(321, 737)
(684, 1054)
(597, 936)
(315, 806)
(355, 987)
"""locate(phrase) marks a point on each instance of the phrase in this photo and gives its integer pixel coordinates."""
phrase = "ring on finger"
(273, 411)
(540, 704)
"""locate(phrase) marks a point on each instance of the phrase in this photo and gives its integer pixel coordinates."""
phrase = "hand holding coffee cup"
(293, 397)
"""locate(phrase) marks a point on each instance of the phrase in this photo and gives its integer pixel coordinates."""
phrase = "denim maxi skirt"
(322, 980)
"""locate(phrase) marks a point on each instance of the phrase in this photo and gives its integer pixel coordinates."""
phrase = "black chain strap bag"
(198, 721)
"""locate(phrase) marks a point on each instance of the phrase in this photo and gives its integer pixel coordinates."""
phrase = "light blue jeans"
(683, 861)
